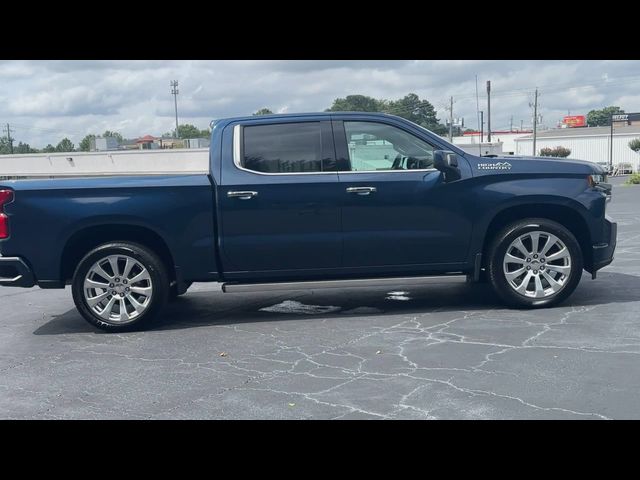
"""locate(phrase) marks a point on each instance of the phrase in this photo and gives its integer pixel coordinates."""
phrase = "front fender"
(493, 198)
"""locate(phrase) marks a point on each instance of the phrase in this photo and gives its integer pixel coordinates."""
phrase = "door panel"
(291, 222)
(410, 216)
(406, 221)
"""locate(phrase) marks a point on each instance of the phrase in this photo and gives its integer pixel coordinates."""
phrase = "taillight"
(6, 196)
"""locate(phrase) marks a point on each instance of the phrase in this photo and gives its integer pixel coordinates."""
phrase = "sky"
(45, 101)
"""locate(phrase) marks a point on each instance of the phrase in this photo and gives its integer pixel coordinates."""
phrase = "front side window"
(377, 146)
(283, 148)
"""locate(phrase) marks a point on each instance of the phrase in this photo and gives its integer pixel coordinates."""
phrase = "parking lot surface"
(429, 352)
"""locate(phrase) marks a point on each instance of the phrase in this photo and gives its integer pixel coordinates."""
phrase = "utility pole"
(511, 124)
(9, 139)
(481, 130)
(451, 121)
(535, 121)
(174, 92)
(489, 111)
(521, 125)
(611, 144)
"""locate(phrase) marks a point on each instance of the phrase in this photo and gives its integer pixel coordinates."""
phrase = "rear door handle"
(361, 190)
(243, 195)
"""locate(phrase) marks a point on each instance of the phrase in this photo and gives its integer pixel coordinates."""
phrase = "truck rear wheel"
(120, 286)
(534, 263)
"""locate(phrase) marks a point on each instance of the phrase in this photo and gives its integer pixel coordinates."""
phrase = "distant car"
(625, 169)
(607, 168)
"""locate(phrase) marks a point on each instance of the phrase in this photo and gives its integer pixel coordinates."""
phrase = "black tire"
(148, 259)
(498, 249)
(173, 291)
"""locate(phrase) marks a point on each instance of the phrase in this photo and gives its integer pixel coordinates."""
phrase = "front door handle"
(244, 195)
(361, 190)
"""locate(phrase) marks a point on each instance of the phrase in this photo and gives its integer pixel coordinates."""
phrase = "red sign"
(573, 121)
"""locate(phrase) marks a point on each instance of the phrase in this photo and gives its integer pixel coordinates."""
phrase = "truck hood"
(539, 165)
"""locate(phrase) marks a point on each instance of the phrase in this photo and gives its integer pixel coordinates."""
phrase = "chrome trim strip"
(14, 279)
(390, 171)
(237, 138)
(350, 283)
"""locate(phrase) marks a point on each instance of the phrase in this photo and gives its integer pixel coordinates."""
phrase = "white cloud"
(46, 100)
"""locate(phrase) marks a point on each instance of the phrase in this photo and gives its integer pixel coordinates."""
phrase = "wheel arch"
(86, 239)
(565, 215)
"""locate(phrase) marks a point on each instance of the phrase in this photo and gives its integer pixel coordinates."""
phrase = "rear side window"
(283, 148)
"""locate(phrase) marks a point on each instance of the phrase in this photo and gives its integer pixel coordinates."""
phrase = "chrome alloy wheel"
(118, 288)
(537, 264)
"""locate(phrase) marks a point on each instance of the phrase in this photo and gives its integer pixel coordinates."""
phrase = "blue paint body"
(305, 226)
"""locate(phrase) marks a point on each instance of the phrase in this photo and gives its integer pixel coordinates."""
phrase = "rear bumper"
(603, 252)
(14, 272)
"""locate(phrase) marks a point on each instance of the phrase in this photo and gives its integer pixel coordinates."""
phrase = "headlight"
(596, 180)
(599, 182)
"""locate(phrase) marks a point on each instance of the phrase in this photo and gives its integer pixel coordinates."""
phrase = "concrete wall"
(124, 162)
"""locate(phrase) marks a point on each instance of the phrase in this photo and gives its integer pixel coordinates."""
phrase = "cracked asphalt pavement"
(430, 352)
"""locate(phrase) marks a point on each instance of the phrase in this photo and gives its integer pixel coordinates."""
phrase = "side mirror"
(447, 163)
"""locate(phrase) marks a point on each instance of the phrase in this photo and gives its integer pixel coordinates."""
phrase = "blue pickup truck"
(309, 201)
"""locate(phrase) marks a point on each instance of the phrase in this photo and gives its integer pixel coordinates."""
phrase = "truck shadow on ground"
(198, 309)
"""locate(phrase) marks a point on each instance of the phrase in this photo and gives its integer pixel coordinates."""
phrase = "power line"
(46, 130)
(560, 87)
(549, 88)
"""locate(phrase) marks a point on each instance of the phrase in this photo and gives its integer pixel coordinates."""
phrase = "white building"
(502, 142)
(590, 143)
(103, 144)
(196, 143)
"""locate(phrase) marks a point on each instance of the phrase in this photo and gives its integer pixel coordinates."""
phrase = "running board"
(361, 282)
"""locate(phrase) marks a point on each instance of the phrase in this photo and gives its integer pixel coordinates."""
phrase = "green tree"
(24, 148)
(418, 111)
(560, 152)
(602, 118)
(116, 135)
(357, 103)
(188, 131)
(410, 106)
(635, 145)
(49, 149)
(85, 143)
(263, 111)
(65, 145)
(5, 149)
(206, 133)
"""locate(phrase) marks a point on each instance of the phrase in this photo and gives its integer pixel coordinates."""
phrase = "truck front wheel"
(120, 286)
(534, 262)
